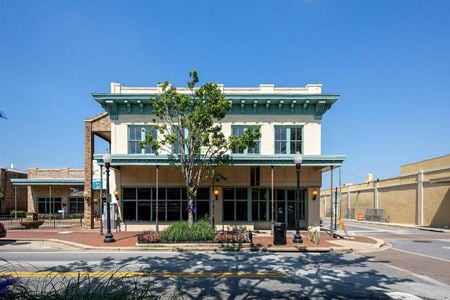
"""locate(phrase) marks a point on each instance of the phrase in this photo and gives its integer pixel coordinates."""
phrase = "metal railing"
(11, 223)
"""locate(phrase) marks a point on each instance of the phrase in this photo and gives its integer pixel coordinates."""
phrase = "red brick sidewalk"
(88, 238)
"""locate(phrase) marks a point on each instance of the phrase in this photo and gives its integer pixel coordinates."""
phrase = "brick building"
(10, 197)
(51, 190)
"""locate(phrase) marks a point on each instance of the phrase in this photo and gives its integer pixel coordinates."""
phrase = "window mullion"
(288, 140)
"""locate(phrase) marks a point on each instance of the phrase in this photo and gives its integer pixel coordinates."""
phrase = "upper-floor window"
(288, 140)
(176, 148)
(238, 131)
(136, 134)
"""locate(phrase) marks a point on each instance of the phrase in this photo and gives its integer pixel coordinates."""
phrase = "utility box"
(279, 234)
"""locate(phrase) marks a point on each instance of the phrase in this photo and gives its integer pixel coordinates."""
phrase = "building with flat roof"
(48, 191)
(259, 184)
(420, 195)
(11, 197)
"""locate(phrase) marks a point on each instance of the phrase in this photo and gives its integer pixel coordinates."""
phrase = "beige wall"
(400, 199)
(399, 204)
(437, 204)
(438, 162)
(311, 130)
(284, 177)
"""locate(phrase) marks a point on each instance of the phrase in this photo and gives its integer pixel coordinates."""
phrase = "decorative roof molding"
(300, 104)
(307, 100)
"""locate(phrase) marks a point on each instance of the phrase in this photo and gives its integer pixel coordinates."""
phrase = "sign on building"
(97, 177)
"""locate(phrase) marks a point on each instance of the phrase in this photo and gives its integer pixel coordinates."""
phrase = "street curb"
(398, 225)
(199, 248)
(378, 245)
(174, 248)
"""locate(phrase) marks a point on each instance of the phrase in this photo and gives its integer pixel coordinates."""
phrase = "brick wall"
(55, 173)
(8, 202)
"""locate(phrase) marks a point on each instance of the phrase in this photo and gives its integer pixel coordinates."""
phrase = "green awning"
(48, 181)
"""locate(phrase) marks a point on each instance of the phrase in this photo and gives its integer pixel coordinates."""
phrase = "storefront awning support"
(157, 198)
(272, 197)
(15, 203)
(331, 203)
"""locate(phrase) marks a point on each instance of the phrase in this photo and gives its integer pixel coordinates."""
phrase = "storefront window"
(235, 204)
(76, 205)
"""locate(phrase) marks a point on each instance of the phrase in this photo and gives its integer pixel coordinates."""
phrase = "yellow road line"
(152, 274)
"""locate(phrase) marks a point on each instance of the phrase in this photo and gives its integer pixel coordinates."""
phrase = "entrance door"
(286, 207)
(280, 207)
(291, 208)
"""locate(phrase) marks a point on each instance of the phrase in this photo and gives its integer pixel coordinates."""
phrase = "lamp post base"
(109, 238)
(297, 238)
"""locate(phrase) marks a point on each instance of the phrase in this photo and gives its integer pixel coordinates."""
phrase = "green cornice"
(48, 181)
(245, 104)
(233, 160)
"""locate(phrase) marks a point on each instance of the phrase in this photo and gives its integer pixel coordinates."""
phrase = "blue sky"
(389, 60)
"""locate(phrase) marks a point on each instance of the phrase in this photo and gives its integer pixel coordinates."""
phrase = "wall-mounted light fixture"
(216, 193)
(116, 193)
(315, 194)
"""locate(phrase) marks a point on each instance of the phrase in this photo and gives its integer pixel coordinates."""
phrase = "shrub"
(20, 213)
(148, 237)
(232, 237)
(202, 231)
(180, 232)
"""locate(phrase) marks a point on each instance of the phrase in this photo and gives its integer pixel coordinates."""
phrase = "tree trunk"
(190, 212)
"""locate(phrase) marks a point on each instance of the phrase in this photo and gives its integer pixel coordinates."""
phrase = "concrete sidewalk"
(262, 241)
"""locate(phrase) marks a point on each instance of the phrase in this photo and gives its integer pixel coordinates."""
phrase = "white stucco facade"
(293, 110)
(267, 123)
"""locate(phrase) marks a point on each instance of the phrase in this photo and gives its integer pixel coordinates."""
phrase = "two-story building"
(258, 185)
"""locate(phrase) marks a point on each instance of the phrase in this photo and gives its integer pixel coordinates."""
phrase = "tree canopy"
(189, 126)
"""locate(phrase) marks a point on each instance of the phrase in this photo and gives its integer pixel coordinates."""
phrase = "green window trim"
(238, 130)
(136, 134)
(288, 139)
(175, 147)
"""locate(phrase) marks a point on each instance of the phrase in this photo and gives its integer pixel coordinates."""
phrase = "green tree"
(190, 123)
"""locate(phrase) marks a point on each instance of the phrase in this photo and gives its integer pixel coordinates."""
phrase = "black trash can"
(279, 234)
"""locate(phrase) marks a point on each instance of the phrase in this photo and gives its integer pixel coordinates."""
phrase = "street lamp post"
(108, 237)
(298, 163)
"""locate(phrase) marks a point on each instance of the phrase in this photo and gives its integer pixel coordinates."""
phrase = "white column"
(420, 198)
(157, 199)
(331, 203)
(273, 201)
(324, 205)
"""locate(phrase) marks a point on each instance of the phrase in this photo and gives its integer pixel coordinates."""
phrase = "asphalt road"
(231, 275)
(422, 252)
